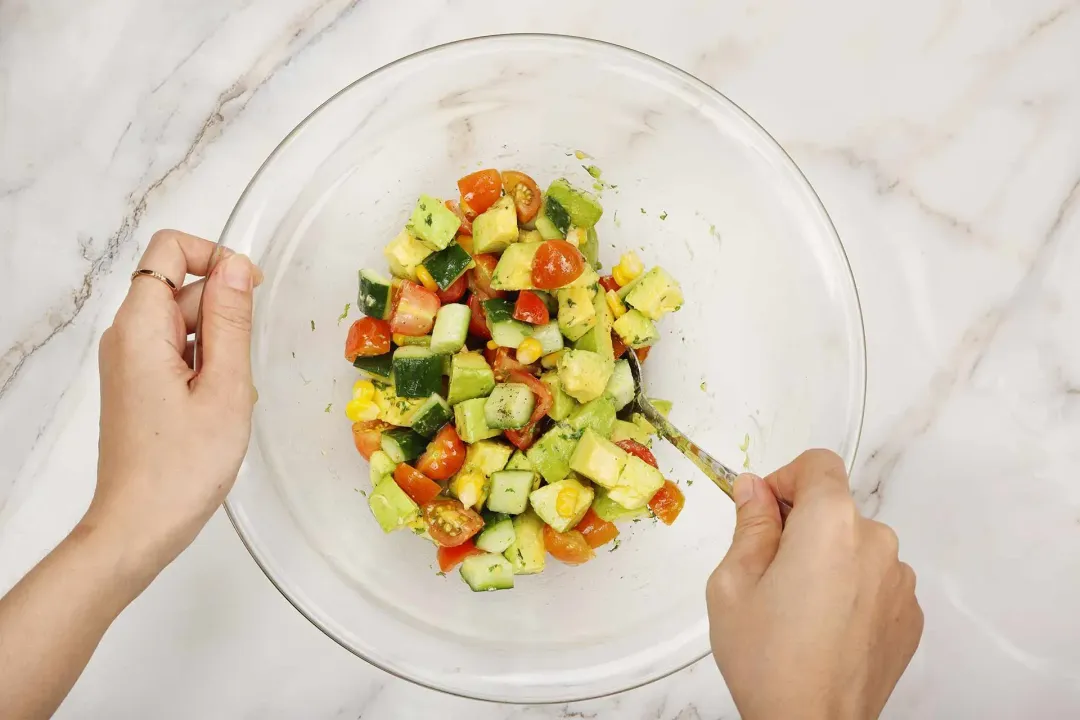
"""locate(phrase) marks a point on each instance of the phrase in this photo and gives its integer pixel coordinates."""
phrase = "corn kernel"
(361, 410)
(616, 305)
(492, 345)
(363, 390)
(577, 237)
(628, 269)
(551, 360)
(529, 351)
(424, 276)
(566, 501)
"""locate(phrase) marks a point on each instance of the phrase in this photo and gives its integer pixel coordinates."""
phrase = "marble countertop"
(941, 135)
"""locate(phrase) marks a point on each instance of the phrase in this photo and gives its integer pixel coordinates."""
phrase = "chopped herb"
(328, 406)
(663, 215)
(364, 493)
(745, 445)
(294, 354)
(427, 220)
(492, 568)
(441, 574)
(418, 531)
(592, 170)
(312, 326)
(614, 545)
(643, 211)
(704, 387)
(689, 483)
(746, 463)
(344, 313)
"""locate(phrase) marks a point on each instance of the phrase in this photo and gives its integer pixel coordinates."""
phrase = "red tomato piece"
(668, 502)
(635, 448)
(450, 523)
(503, 363)
(480, 190)
(526, 436)
(367, 337)
(367, 436)
(478, 319)
(524, 191)
(416, 484)
(556, 263)
(415, 311)
(480, 277)
(531, 309)
(643, 353)
(444, 455)
(450, 557)
(608, 283)
(569, 547)
(466, 225)
(454, 292)
(617, 345)
(596, 530)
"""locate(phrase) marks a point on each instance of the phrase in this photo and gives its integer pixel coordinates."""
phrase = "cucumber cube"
(451, 329)
(509, 406)
(487, 572)
(510, 491)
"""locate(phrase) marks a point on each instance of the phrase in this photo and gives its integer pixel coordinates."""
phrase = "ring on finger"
(157, 276)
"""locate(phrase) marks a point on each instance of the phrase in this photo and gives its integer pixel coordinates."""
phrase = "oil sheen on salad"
(494, 406)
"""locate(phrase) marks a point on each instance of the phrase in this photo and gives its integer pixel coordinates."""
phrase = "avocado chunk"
(514, 270)
(561, 403)
(608, 509)
(584, 374)
(662, 406)
(598, 459)
(529, 236)
(392, 508)
(397, 410)
(598, 414)
(405, 253)
(656, 294)
(470, 423)
(582, 206)
(620, 388)
(488, 456)
(470, 377)
(623, 430)
(495, 228)
(636, 330)
(637, 483)
(598, 338)
(550, 455)
(380, 466)
(527, 553)
(577, 312)
(433, 223)
(568, 496)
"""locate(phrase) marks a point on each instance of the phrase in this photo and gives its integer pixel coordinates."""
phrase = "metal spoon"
(718, 472)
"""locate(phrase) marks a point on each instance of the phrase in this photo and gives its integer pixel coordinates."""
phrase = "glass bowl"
(766, 357)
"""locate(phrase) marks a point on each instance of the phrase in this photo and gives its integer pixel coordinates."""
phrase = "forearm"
(51, 622)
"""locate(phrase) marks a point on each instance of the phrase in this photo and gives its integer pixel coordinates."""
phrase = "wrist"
(129, 564)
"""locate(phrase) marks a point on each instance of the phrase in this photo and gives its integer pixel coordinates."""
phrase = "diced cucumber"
(451, 329)
(498, 533)
(470, 423)
(417, 372)
(553, 222)
(470, 377)
(620, 387)
(518, 461)
(373, 297)
(487, 572)
(412, 340)
(581, 207)
(547, 228)
(378, 366)
(591, 248)
(448, 264)
(549, 337)
(509, 406)
(527, 554)
(505, 331)
(431, 416)
(380, 465)
(509, 492)
(403, 445)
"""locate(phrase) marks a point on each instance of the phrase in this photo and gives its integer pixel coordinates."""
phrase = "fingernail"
(236, 272)
(744, 489)
(257, 274)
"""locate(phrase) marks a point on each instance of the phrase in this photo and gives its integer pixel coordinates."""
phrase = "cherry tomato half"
(569, 547)
(479, 190)
(596, 530)
(531, 309)
(450, 523)
(455, 292)
(480, 277)
(668, 502)
(367, 337)
(466, 224)
(450, 557)
(367, 436)
(503, 362)
(617, 345)
(415, 311)
(478, 319)
(444, 455)
(525, 193)
(526, 436)
(416, 484)
(608, 283)
(556, 263)
(643, 353)
(635, 448)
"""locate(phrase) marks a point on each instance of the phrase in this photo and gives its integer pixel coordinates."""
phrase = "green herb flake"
(441, 574)
(643, 211)
(663, 215)
(312, 326)
(344, 313)
(328, 406)
(704, 387)
(428, 220)
(615, 545)
(294, 354)
(592, 170)
(689, 483)
(745, 444)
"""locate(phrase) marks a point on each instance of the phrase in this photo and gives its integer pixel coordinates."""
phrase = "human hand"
(816, 618)
(171, 440)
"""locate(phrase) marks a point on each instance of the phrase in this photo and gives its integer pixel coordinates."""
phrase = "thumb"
(225, 330)
(757, 531)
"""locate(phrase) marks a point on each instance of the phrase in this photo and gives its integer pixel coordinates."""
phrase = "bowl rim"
(595, 44)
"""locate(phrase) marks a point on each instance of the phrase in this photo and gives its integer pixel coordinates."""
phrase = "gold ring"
(157, 276)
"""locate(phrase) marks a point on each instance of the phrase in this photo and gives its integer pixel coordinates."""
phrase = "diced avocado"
(514, 270)
(582, 206)
(392, 508)
(569, 496)
(598, 338)
(636, 330)
(405, 253)
(550, 455)
(608, 509)
(598, 459)
(487, 572)
(549, 336)
(646, 426)
(470, 377)
(495, 228)
(470, 423)
(620, 387)
(518, 461)
(470, 486)
(397, 410)
(638, 482)
(656, 294)
(662, 406)
(591, 248)
(598, 414)
(588, 278)
(529, 236)
(561, 403)
(488, 456)
(622, 430)
(380, 466)
(510, 491)
(584, 374)
(527, 553)
(433, 223)
(629, 287)
(577, 312)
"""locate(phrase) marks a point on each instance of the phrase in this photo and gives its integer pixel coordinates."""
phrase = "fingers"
(190, 297)
(226, 330)
(757, 535)
(814, 473)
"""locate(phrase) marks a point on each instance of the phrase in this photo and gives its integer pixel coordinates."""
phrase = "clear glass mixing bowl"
(765, 359)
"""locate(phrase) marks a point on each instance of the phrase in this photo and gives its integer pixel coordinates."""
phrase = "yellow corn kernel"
(492, 345)
(529, 351)
(425, 278)
(363, 390)
(577, 237)
(628, 269)
(616, 305)
(566, 501)
(551, 360)
(361, 410)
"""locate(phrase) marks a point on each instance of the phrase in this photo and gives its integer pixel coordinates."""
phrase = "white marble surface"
(942, 135)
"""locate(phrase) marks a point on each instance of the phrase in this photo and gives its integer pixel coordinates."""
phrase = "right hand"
(816, 618)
